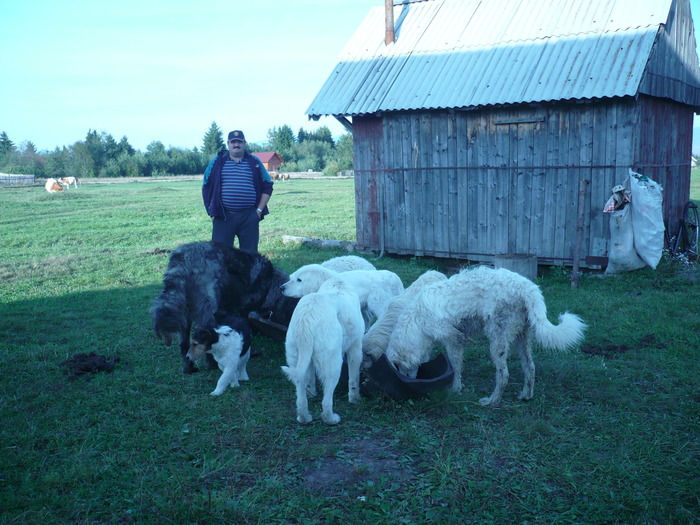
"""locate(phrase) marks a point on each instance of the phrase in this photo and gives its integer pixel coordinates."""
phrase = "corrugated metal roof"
(469, 53)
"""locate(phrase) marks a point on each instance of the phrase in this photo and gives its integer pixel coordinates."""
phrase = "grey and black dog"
(205, 280)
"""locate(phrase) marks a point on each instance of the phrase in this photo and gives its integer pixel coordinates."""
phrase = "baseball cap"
(236, 135)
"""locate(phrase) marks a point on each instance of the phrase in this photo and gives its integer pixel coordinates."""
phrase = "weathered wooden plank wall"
(368, 151)
(473, 184)
(664, 149)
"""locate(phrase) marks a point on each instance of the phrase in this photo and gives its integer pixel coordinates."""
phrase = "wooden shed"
(270, 159)
(475, 121)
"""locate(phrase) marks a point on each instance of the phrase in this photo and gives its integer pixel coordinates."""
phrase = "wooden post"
(579, 231)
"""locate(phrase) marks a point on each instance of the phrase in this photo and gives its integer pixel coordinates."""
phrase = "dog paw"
(488, 402)
(217, 392)
(304, 419)
(333, 419)
(354, 399)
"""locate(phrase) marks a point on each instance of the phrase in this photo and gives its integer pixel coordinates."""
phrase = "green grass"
(611, 436)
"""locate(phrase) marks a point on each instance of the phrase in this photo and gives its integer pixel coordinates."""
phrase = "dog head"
(201, 342)
(307, 279)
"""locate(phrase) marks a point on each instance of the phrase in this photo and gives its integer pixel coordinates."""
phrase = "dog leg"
(354, 358)
(455, 352)
(499, 357)
(229, 377)
(188, 365)
(303, 414)
(311, 382)
(327, 413)
(528, 365)
(330, 381)
(298, 378)
(242, 367)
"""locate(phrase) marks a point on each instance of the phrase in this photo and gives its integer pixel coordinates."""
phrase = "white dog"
(374, 288)
(325, 326)
(346, 263)
(376, 340)
(229, 345)
(506, 306)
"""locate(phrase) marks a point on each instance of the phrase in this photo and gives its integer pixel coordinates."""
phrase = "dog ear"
(201, 336)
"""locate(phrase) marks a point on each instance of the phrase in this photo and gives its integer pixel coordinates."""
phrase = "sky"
(152, 70)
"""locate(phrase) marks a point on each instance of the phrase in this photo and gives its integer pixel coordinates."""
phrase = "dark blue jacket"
(211, 185)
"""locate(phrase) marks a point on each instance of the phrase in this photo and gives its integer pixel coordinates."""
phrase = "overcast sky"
(154, 70)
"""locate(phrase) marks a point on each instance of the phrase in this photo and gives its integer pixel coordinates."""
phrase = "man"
(235, 190)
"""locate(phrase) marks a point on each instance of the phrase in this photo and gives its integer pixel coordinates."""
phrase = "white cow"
(53, 186)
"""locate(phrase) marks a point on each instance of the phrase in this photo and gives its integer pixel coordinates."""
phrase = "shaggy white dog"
(374, 288)
(346, 263)
(229, 345)
(325, 326)
(376, 340)
(506, 306)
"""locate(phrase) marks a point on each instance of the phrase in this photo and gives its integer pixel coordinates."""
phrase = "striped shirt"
(237, 188)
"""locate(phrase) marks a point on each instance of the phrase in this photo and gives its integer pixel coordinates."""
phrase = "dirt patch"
(82, 364)
(159, 251)
(358, 462)
(616, 350)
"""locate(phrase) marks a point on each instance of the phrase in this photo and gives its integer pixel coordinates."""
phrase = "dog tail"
(299, 344)
(297, 373)
(568, 333)
(169, 307)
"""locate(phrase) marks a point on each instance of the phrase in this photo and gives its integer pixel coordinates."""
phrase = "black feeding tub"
(382, 377)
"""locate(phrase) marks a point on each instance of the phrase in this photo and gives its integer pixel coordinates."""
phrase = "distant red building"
(270, 159)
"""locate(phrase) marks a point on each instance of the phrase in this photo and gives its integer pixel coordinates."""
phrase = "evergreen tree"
(125, 147)
(95, 146)
(322, 134)
(213, 141)
(6, 145)
(282, 141)
(111, 147)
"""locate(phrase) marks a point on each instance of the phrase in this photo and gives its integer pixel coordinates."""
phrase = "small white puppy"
(229, 345)
(374, 288)
(326, 325)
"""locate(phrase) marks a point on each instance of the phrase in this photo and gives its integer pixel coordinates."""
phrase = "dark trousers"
(243, 224)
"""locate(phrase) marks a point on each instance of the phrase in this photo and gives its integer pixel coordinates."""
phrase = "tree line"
(100, 155)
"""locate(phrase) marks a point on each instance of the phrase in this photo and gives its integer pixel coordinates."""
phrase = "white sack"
(647, 218)
(622, 257)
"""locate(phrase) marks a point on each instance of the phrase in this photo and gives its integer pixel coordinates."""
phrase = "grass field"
(611, 436)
